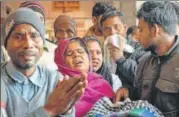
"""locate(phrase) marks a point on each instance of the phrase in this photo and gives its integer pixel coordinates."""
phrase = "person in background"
(132, 36)
(133, 40)
(112, 25)
(98, 9)
(116, 45)
(27, 89)
(158, 73)
(64, 27)
(4, 55)
(47, 58)
(96, 52)
(36, 7)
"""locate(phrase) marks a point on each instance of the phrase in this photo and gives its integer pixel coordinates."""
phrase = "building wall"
(83, 16)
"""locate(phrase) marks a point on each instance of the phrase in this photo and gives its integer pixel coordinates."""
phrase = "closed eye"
(80, 51)
(69, 53)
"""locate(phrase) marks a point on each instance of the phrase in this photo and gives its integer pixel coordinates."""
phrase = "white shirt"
(116, 82)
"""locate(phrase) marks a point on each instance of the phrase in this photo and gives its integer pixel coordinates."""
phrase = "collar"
(171, 50)
(12, 71)
(174, 45)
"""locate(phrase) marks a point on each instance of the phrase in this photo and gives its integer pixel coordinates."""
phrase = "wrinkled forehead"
(64, 25)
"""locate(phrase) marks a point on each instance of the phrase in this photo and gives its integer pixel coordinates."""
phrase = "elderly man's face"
(113, 25)
(25, 46)
(64, 31)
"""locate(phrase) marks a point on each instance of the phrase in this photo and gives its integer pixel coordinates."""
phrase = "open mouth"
(78, 63)
(95, 62)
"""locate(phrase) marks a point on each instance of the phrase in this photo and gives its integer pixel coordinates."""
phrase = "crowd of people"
(113, 61)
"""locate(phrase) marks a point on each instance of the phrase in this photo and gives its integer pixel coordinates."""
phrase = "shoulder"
(146, 57)
(4, 84)
(3, 72)
(143, 64)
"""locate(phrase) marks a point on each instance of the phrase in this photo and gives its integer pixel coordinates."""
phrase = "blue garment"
(26, 87)
(25, 97)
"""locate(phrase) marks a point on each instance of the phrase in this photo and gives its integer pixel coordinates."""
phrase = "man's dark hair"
(131, 30)
(161, 13)
(176, 6)
(101, 7)
(111, 13)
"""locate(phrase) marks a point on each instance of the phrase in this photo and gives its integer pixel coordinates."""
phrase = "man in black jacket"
(157, 77)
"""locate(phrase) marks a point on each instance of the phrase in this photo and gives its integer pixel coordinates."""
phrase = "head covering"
(117, 41)
(22, 16)
(64, 19)
(97, 87)
(103, 70)
(35, 6)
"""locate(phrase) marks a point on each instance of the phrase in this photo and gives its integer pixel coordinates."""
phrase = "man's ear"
(154, 30)
(94, 20)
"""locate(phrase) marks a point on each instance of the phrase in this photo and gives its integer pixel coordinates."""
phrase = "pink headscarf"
(96, 89)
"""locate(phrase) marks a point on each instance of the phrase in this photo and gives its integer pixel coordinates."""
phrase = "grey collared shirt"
(27, 95)
(27, 87)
